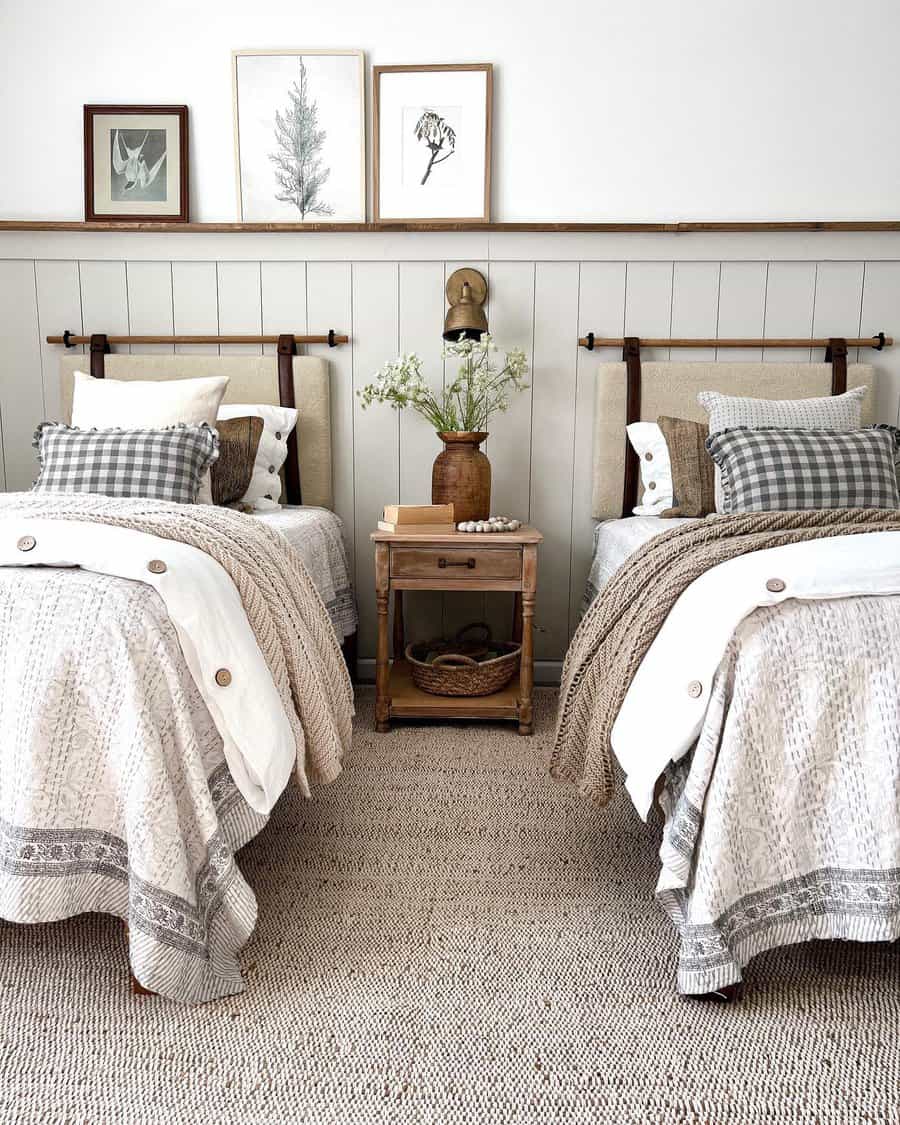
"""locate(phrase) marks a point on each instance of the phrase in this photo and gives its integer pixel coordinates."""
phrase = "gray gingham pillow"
(163, 464)
(774, 470)
(834, 412)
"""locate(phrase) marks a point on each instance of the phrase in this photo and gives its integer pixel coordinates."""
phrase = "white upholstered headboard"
(671, 389)
(252, 379)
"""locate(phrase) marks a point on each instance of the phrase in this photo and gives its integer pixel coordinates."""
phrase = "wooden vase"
(462, 476)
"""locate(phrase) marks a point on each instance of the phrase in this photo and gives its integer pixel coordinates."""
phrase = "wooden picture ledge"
(444, 228)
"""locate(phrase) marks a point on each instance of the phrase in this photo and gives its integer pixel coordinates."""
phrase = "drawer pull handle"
(470, 563)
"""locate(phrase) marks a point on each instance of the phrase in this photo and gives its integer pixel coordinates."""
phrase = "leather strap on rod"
(99, 349)
(631, 353)
(836, 355)
(287, 349)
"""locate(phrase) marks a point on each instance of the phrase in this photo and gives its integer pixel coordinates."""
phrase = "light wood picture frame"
(431, 158)
(136, 163)
(300, 135)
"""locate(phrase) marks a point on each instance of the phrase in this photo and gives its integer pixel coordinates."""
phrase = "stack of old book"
(434, 519)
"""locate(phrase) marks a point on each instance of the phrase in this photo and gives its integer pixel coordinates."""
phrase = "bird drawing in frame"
(133, 166)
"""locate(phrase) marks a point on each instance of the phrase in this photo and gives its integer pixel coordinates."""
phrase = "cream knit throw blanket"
(282, 605)
(623, 620)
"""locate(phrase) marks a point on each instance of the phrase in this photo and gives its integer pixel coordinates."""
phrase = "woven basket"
(457, 669)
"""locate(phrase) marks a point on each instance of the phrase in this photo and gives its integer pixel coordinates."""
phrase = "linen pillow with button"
(656, 470)
(264, 492)
(144, 404)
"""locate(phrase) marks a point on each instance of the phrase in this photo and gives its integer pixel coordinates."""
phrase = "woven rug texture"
(446, 935)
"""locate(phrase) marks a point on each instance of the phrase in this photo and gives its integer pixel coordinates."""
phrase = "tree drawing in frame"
(434, 131)
(298, 164)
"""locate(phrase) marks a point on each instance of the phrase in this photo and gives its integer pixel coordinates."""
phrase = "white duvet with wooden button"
(155, 699)
(765, 715)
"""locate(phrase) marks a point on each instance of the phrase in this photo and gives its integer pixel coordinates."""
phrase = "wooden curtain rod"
(69, 339)
(877, 342)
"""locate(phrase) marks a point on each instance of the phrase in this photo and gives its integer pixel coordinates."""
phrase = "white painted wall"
(608, 109)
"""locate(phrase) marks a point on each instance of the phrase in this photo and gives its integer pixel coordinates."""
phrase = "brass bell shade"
(466, 293)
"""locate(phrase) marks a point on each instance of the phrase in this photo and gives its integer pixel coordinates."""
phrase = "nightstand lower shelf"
(409, 702)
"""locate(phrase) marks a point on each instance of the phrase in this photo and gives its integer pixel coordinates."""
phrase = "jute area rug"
(446, 935)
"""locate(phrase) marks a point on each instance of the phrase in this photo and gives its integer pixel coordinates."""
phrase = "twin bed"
(165, 671)
(741, 672)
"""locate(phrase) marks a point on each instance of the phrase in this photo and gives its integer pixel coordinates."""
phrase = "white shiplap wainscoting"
(387, 291)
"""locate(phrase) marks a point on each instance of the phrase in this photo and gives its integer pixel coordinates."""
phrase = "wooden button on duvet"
(775, 585)
(695, 689)
(648, 456)
(157, 566)
(27, 543)
(223, 677)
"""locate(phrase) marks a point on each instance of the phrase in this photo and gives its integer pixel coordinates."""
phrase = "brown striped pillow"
(238, 443)
(693, 470)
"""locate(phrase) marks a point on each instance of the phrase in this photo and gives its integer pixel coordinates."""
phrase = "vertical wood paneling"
(104, 298)
(742, 307)
(790, 297)
(541, 450)
(880, 307)
(21, 389)
(195, 303)
(329, 302)
(601, 300)
(150, 309)
(421, 311)
(376, 448)
(509, 447)
(648, 303)
(555, 357)
(838, 301)
(240, 304)
(695, 306)
(284, 300)
(59, 308)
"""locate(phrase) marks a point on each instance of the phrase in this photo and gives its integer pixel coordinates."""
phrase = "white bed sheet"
(615, 541)
(317, 536)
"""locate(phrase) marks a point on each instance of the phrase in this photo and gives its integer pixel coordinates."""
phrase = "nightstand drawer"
(455, 562)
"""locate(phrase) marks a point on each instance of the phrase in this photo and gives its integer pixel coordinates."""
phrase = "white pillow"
(148, 404)
(264, 492)
(656, 469)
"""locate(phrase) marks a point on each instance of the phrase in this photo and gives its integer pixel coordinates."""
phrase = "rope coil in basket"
(457, 669)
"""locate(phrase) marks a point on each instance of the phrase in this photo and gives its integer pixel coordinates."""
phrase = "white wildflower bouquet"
(481, 387)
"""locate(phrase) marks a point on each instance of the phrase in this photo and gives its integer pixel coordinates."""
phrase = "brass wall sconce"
(466, 291)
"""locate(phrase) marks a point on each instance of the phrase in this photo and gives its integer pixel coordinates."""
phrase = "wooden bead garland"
(495, 523)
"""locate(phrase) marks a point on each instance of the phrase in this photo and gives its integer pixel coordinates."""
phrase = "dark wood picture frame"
(377, 72)
(179, 111)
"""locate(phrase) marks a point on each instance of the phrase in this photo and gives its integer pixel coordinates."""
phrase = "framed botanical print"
(136, 163)
(300, 136)
(432, 148)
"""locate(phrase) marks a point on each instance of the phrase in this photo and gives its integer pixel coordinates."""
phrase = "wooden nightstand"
(453, 561)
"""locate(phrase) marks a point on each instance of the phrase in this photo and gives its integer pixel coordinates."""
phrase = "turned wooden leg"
(526, 676)
(382, 662)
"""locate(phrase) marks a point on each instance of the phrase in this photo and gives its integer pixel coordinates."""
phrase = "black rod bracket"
(880, 345)
(590, 341)
(331, 340)
(66, 336)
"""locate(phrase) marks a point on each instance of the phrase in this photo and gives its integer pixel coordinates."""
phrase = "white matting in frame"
(433, 143)
(299, 132)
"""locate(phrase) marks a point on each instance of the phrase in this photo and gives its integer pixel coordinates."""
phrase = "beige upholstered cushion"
(672, 388)
(252, 378)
